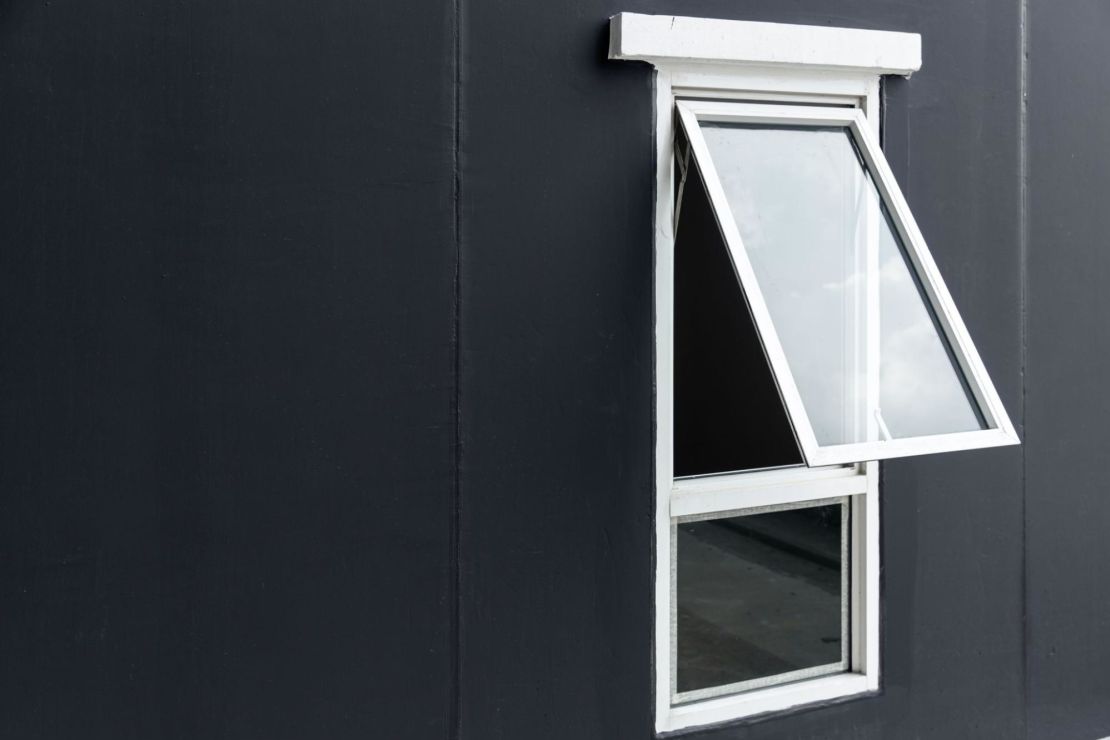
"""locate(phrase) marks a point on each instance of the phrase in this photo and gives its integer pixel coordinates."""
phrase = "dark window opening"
(728, 415)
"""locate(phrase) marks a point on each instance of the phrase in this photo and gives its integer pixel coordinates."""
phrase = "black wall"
(1067, 521)
(227, 260)
(326, 372)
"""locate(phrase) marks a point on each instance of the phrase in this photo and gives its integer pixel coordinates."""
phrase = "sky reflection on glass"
(817, 237)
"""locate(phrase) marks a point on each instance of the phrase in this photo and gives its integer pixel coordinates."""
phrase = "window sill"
(764, 701)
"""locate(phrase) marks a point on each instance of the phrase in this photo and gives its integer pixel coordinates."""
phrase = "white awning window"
(799, 321)
(868, 351)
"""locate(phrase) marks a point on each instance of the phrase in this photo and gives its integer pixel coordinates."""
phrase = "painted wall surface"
(326, 372)
(1067, 561)
(227, 260)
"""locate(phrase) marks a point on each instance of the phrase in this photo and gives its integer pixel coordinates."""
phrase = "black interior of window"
(728, 415)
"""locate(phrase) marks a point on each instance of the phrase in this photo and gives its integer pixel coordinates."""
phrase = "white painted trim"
(911, 446)
(772, 699)
(759, 683)
(826, 87)
(664, 393)
(762, 478)
(763, 507)
(866, 604)
(669, 38)
(718, 494)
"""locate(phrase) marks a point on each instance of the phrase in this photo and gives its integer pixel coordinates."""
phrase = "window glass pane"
(867, 354)
(761, 598)
(728, 414)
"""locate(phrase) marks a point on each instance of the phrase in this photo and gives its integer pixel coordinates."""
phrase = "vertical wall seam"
(1023, 271)
(455, 710)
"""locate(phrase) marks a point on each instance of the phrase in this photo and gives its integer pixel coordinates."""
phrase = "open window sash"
(869, 354)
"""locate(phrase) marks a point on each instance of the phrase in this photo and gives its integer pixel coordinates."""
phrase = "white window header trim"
(669, 39)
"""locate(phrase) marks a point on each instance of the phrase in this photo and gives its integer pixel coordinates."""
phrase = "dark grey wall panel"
(1069, 364)
(556, 378)
(557, 456)
(226, 374)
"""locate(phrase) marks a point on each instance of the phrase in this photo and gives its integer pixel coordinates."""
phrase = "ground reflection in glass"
(759, 595)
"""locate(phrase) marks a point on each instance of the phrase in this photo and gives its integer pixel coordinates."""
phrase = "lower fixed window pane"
(761, 598)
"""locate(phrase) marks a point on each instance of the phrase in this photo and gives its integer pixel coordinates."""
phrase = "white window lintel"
(674, 40)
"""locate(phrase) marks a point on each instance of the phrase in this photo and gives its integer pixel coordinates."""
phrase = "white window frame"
(699, 58)
(1000, 431)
